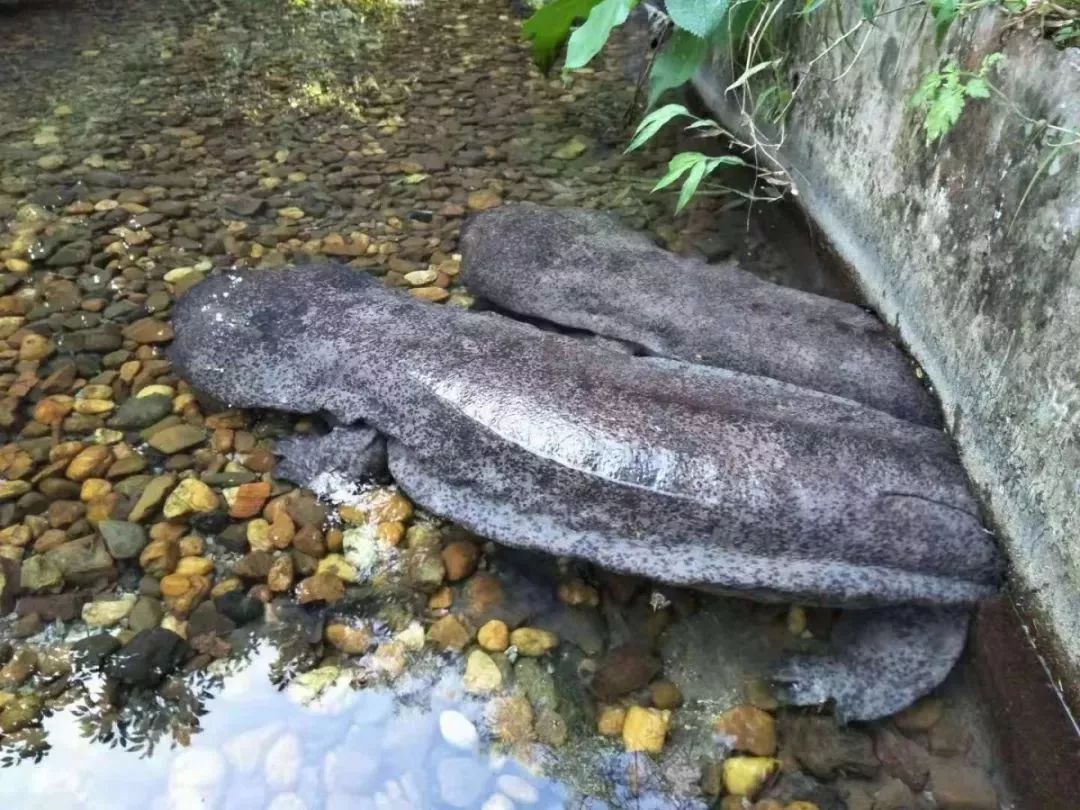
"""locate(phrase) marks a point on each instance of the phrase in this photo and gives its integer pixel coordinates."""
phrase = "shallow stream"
(143, 144)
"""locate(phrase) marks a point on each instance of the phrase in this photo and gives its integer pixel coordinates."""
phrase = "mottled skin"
(692, 475)
(581, 269)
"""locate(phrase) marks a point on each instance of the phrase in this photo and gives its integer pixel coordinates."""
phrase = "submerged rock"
(148, 658)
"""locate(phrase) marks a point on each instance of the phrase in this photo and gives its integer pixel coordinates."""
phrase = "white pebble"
(197, 771)
(246, 749)
(282, 766)
(362, 550)
(497, 802)
(457, 730)
(412, 636)
(461, 781)
(517, 788)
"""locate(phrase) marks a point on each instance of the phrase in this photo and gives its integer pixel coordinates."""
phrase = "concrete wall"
(989, 308)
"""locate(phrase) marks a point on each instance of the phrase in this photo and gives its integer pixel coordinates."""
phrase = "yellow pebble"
(178, 626)
(90, 407)
(796, 620)
(194, 566)
(645, 729)
(745, 776)
(94, 488)
(494, 636)
(190, 495)
(151, 390)
(129, 370)
(533, 642)
(96, 392)
(258, 535)
(611, 720)
(335, 564)
(391, 532)
(225, 586)
(175, 585)
(182, 401)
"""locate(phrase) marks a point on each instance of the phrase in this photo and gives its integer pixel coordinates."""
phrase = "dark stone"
(123, 538)
(306, 620)
(104, 338)
(83, 561)
(146, 219)
(122, 311)
(148, 658)
(894, 795)
(795, 787)
(9, 584)
(105, 179)
(64, 607)
(233, 538)
(146, 614)
(955, 785)
(242, 205)
(54, 197)
(26, 626)
(903, 758)
(254, 565)
(73, 253)
(624, 670)
(239, 608)
(91, 652)
(828, 750)
(206, 619)
(170, 208)
(140, 412)
(210, 522)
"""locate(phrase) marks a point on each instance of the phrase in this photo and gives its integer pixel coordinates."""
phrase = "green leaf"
(811, 6)
(750, 71)
(699, 17)
(944, 13)
(990, 61)
(677, 63)
(944, 112)
(977, 88)
(677, 167)
(869, 9)
(586, 41)
(926, 90)
(549, 28)
(652, 122)
(693, 180)
(740, 15)
(726, 160)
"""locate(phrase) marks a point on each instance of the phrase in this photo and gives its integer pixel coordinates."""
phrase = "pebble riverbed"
(178, 627)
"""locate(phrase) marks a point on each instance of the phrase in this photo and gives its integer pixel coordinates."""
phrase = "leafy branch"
(943, 94)
(758, 37)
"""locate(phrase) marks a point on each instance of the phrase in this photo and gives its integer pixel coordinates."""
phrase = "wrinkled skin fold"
(698, 476)
(581, 269)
